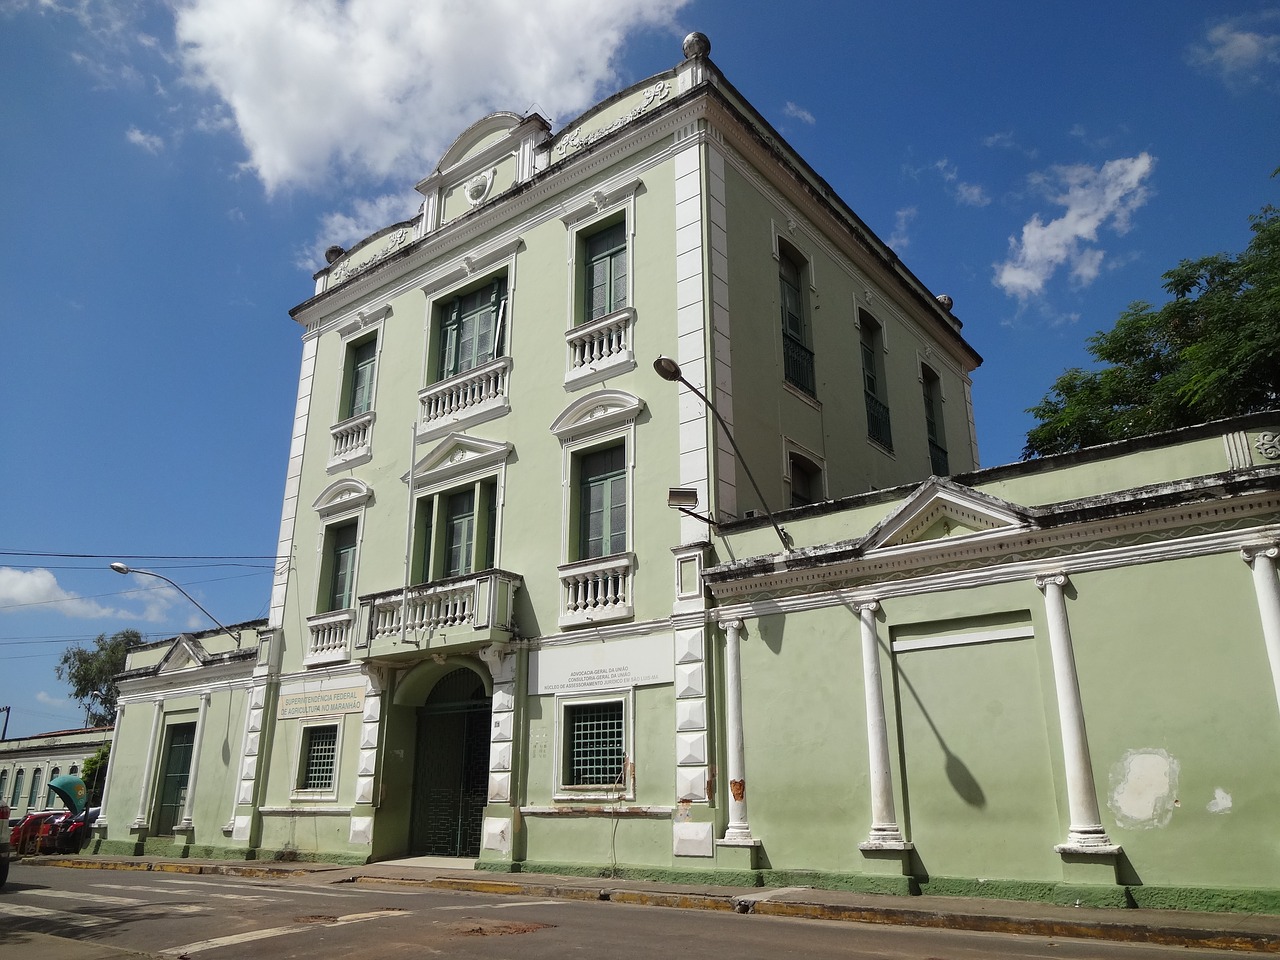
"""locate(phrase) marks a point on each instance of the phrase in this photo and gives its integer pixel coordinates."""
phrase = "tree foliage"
(94, 774)
(1213, 351)
(91, 673)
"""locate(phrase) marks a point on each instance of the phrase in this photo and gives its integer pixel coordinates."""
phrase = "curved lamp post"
(122, 568)
(669, 370)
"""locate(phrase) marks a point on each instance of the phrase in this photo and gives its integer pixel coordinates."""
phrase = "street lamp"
(122, 568)
(669, 370)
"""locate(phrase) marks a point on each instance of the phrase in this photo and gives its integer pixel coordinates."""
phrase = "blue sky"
(173, 172)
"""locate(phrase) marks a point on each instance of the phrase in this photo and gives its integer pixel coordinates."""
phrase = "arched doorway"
(451, 768)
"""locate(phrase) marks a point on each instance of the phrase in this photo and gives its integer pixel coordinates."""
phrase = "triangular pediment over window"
(456, 456)
(940, 508)
(595, 412)
(185, 653)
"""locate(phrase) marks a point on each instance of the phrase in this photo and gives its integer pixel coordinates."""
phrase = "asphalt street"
(215, 917)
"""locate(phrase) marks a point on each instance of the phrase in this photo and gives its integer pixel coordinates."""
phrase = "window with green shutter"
(606, 275)
(341, 563)
(471, 329)
(363, 361)
(603, 503)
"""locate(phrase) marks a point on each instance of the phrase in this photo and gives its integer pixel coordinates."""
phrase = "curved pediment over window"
(342, 495)
(455, 456)
(481, 134)
(596, 412)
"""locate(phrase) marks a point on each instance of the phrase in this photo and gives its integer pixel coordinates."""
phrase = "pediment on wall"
(940, 508)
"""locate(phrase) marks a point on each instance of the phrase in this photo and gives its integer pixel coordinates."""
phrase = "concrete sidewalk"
(1235, 931)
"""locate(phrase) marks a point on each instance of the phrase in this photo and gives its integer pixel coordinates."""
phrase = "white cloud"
(1241, 50)
(373, 89)
(147, 141)
(966, 194)
(797, 112)
(49, 700)
(28, 588)
(900, 238)
(1093, 198)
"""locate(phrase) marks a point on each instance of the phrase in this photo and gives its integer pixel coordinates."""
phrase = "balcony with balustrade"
(476, 396)
(600, 349)
(457, 615)
(878, 428)
(352, 442)
(329, 637)
(597, 590)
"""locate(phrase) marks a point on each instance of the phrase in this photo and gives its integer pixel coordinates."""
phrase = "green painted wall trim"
(853, 882)
(113, 848)
(1212, 899)
(290, 855)
(727, 878)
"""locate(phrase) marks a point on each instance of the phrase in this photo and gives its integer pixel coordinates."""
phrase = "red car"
(25, 837)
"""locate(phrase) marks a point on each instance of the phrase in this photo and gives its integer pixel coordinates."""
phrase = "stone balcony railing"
(597, 591)
(352, 441)
(477, 608)
(330, 638)
(469, 398)
(600, 348)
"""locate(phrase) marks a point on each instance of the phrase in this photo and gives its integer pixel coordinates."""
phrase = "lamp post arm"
(161, 576)
(782, 537)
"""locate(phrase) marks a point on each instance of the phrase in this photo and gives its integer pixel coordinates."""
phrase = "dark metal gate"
(451, 768)
(174, 775)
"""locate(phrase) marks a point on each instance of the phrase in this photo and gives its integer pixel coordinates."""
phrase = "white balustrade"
(330, 640)
(596, 591)
(474, 396)
(352, 439)
(425, 609)
(600, 346)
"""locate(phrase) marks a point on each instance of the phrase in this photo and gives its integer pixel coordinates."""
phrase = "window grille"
(594, 732)
(320, 754)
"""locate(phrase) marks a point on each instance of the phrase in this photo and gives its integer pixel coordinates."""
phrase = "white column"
(148, 771)
(1262, 560)
(194, 770)
(1085, 834)
(885, 833)
(111, 764)
(739, 828)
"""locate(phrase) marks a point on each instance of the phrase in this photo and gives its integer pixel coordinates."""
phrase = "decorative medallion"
(477, 188)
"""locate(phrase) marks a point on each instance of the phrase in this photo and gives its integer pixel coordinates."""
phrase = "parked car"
(67, 833)
(25, 837)
(5, 851)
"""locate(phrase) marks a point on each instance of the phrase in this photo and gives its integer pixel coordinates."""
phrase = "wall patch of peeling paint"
(1221, 802)
(1144, 789)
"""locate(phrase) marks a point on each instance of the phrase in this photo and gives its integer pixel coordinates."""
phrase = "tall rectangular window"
(606, 273)
(340, 563)
(318, 764)
(471, 329)
(17, 787)
(797, 355)
(36, 796)
(594, 744)
(602, 509)
(362, 362)
(871, 346)
(933, 422)
(456, 532)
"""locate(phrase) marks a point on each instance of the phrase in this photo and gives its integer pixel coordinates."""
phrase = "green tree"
(94, 774)
(91, 672)
(1213, 351)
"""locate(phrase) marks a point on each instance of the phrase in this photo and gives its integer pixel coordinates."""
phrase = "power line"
(136, 556)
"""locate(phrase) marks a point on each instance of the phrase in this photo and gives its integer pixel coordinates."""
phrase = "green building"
(539, 607)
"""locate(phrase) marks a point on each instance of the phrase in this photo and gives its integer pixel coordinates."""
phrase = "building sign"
(583, 667)
(320, 703)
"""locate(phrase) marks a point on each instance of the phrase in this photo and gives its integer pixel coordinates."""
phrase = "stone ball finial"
(946, 302)
(696, 45)
(333, 253)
